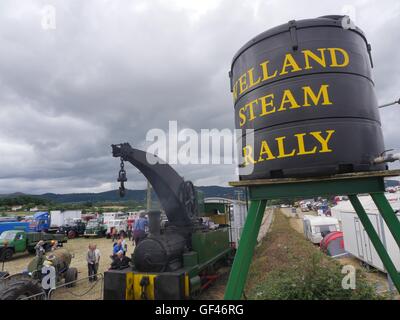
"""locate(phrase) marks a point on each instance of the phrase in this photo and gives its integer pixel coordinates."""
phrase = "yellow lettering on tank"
(253, 83)
(265, 150)
(288, 98)
(345, 56)
(243, 83)
(309, 93)
(235, 91)
(265, 104)
(308, 54)
(248, 155)
(302, 148)
(266, 75)
(281, 148)
(250, 106)
(323, 141)
(289, 62)
(242, 117)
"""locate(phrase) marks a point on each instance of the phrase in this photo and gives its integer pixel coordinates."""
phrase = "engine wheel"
(20, 287)
(188, 197)
(6, 254)
(71, 275)
(72, 234)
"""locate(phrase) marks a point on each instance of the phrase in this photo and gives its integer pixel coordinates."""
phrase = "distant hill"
(12, 195)
(113, 195)
(137, 195)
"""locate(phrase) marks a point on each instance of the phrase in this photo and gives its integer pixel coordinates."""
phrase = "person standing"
(97, 255)
(114, 234)
(124, 244)
(130, 230)
(139, 231)
(91, 260)
(40, 251)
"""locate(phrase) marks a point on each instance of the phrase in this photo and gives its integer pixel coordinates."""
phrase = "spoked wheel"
(190, 199)
(71, 234)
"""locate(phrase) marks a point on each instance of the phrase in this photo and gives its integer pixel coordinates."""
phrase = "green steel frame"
(260, 191)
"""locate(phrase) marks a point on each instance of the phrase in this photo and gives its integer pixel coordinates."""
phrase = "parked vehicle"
(323, 209)
(356, 240)
(316, 227)
(88, 216)
(304, 207)
(74, 229)
(61, 218)
(119, 224)
(14, 225)
(39, 222)
(16, 241)
(107, 216)
(95, 228)
(8, 219)
(231, 212)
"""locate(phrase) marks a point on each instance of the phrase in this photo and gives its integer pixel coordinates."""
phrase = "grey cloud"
(112, 70)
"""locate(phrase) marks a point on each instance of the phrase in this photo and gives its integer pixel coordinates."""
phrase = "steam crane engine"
(175, 260)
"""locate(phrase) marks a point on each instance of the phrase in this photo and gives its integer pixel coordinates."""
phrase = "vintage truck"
(73, 229)
(95, 228)
(16, 241)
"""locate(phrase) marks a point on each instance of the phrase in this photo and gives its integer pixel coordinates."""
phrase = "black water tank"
(305, 88)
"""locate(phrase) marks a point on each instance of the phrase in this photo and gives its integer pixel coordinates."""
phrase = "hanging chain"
(122, 179)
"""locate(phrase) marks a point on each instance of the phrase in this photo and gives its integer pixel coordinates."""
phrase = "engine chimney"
(154, 222)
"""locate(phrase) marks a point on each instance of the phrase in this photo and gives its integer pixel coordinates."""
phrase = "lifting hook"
(122, 179)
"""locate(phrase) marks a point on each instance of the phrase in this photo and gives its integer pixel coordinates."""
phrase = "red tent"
(332, 244)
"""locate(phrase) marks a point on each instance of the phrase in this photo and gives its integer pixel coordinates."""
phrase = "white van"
(118, 224)
(107, 216)
(316, 227)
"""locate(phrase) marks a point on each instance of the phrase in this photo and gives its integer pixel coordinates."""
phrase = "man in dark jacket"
(120, 261)
(139, 229)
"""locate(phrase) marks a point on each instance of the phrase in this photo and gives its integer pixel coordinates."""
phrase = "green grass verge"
(287, 266)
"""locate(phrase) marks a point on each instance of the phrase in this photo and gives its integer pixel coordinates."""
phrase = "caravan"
(316, 227)
(356, 240)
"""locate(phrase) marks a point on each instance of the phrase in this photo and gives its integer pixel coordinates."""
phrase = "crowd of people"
(136, 232)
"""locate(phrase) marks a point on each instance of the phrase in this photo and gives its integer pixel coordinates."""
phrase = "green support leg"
(244, 254)
(373, 236)
(388, 215)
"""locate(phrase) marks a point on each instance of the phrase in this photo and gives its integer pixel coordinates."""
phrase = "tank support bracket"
(260, 191)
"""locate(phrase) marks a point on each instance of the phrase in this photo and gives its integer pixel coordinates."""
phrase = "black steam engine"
(174, 260)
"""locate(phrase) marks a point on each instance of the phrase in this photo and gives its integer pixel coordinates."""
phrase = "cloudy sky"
(112, 70)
